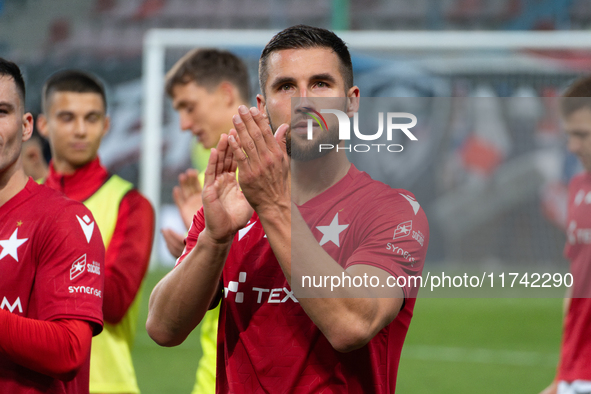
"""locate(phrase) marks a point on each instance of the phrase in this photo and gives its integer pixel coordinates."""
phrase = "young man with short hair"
(51, 260)
(75, 120)
(206, 86)
(338, 220)
(574, 369)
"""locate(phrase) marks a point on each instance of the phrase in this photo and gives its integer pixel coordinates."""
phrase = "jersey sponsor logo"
(94, 268)
(272, 296)
(85, 290)
(401, 252)
(87, 226)
(419, 237)
(332, 232)
(78, 267)
(10, 245)
(413, 203)
(11, 307)
(233, 287)
(403, 229)
(578, 235)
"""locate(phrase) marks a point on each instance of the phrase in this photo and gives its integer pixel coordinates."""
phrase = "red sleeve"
(196, 228)
(128, 255)
(54, 348)
(394, 240)
(66, 286)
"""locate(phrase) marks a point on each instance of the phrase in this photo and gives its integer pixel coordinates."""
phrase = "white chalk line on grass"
(478, 355)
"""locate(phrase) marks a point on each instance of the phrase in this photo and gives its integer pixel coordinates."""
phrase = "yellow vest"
(111, 367)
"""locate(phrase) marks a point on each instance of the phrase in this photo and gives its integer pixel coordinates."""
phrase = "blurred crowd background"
(491, 172)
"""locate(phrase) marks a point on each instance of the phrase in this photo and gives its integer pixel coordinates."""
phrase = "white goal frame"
(157, 41)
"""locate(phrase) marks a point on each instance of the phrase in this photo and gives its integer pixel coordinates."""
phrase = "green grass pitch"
(453, 346)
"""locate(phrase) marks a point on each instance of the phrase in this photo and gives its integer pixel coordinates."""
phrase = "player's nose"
(186, 122)
(81, 127)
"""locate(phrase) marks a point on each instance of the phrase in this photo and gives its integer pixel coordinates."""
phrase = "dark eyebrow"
(62, 112)
(324, 77)
(281, 81)
(318, 77)
(7, 105)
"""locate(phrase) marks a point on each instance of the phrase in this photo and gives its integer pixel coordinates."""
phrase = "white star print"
(332, 231)
(10, 245)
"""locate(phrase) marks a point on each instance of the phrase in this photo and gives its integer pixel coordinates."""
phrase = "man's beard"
(302, 149)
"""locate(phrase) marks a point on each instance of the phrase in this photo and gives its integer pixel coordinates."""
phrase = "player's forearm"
(348, 317)
(54, 348)
(179, 301)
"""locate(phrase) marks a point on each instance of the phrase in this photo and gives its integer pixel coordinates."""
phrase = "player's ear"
(42, 126)
(229, 94)
(27, 126)
(261, 104)
(353, 101)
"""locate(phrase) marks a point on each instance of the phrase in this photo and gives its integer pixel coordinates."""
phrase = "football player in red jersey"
(322, 217)
(51, 302)
(574, 369)
(74, 120)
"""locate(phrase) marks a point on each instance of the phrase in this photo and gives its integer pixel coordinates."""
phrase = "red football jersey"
(266, 341)
(51, 259)
(576, 342)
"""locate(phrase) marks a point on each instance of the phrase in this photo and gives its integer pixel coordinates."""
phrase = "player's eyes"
(285, 87)
(321, 84)
(65, 118)
(93, 118)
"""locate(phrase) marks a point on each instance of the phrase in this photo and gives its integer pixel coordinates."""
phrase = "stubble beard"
(302, 149)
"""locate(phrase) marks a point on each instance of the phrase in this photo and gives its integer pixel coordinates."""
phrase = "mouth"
(79, 146)
(197, 133)
(301, 128)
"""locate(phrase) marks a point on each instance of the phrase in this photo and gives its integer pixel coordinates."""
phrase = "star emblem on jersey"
(403, 229)
(415, 205)
(10, 245)
(78, 267)
(331, 232)
(87, 226)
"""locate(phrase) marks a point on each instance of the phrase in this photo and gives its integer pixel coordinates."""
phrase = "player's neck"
(310, 178)
(64, 167)
(12, 181)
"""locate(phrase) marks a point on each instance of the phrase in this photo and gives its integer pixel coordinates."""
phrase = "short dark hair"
(577, 96)
(8, 68)
(208, 68)
(304, 37)
(72, 81)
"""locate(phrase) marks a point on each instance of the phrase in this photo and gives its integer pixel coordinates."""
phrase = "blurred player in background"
(74, 120)
(51, 300)
(269, 341)
(33, 159)
(574, 369)
(206, 86)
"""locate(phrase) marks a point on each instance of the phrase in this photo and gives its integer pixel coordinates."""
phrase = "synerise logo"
(345, 130)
